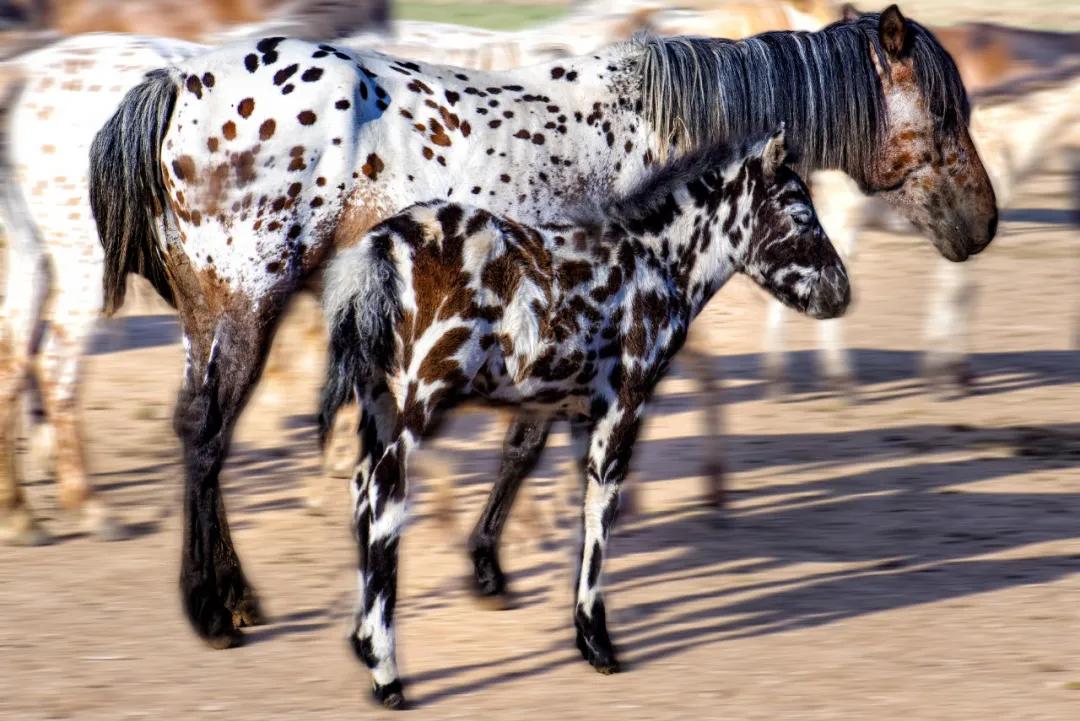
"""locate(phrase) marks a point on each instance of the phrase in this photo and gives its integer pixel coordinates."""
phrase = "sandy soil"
(898, 557)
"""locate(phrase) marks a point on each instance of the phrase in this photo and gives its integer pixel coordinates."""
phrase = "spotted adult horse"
(445, 301)
(229, 178)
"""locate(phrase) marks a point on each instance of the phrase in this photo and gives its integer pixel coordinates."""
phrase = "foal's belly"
(566, 394)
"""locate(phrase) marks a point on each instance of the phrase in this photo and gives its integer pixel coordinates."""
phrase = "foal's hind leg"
(525, 439)
(223, 364)
(395, 431)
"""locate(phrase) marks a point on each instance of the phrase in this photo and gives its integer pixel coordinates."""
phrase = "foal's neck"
(696, 230)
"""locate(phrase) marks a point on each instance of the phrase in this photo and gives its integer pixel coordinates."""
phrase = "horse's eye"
(803, 216)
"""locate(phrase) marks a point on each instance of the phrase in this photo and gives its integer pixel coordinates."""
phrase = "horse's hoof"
(314, 506)
(19, 528)
(222, 641)
(841, 384)
(390, 696)
(777, 388)
(99, 523)
(715, 492)
(247, 612)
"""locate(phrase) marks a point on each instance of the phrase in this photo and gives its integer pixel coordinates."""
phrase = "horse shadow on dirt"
(914, 531)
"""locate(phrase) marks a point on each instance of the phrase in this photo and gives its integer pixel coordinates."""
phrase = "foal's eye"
(803, 216)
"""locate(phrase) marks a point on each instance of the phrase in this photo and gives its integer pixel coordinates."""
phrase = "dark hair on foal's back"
(697, 90)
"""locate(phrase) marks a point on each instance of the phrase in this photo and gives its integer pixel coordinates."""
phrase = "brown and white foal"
(445, 301)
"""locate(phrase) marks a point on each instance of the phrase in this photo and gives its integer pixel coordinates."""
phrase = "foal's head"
(785, 249)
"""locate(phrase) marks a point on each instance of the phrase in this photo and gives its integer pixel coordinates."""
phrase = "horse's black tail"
(127, 191)
(362, 301)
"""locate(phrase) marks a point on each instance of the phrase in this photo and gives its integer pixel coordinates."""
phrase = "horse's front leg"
(775, 365)
(948, 322)
(525, 440)
(700, 361)
(610, 444)
(225, 357)
(833, 355)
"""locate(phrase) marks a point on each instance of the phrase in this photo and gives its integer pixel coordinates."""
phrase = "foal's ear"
(893, 32)
(848, 13)
(774, 153)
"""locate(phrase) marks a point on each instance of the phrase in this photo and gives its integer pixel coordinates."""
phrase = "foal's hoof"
(21, 529)
(602, 659)
(391, 695)
(489, 582)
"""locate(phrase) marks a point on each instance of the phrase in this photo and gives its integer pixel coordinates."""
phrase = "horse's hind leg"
(72, 320)
(224, 358)
(25, 290)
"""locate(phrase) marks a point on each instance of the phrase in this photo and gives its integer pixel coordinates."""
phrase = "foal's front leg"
(610, 444)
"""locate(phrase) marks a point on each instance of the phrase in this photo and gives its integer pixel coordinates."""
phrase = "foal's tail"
(127, 191)
(362, 302)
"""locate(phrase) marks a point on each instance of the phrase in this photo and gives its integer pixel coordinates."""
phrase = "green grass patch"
(482, 15)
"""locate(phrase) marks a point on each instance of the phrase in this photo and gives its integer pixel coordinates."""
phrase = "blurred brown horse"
(198, 19)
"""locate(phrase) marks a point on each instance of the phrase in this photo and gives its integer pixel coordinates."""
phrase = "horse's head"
(788, 253)
(927, 166)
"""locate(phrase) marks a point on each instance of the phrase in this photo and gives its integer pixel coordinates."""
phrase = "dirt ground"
(898, 557)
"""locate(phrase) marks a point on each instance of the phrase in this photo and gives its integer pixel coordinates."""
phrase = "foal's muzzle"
(832, 294)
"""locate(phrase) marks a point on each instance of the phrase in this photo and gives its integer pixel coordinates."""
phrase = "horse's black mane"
(700, 90)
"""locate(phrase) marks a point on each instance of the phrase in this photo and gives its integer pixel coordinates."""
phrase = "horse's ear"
(774, 153)
(849, 13)
(893, 32)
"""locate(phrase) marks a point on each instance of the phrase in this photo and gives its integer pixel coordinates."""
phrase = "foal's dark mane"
(700, 90)
(655, 189)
